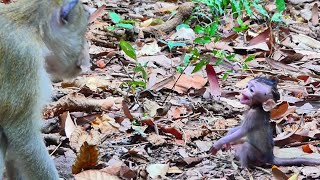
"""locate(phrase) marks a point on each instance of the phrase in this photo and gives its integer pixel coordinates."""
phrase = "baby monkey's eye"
(251, 90)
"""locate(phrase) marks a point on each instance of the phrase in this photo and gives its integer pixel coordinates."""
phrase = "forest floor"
(142, 118)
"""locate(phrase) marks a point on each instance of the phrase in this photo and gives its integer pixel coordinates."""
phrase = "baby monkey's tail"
(295, 161)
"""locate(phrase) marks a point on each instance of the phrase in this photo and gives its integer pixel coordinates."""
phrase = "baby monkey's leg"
(248, 155)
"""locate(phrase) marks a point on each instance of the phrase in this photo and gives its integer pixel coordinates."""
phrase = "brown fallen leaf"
(185, 82)
(87, 158)
(280, 66)
(215, 89)
(96, 175)
(280, 110)
(79, 136)
(78, 102)
(67, 124)
(262, 37)
(278, 174)
(97, 13)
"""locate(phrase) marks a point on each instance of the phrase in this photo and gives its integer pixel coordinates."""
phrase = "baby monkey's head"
(259, 90)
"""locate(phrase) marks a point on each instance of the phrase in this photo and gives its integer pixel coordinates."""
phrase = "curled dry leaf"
(106, 124)
(79, 136)
(86, 159)
(67, 124)
(126, 110)
(96, 175)
(151, 107)
(78, 102)
(278, 174)
(280, 110)
(118, 168)
(156, 140)
(101, 64)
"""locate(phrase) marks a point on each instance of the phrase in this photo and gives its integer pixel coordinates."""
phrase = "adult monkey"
(36, 37)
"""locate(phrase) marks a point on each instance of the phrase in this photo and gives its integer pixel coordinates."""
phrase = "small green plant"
(116, 19)
(138, 69)
(208, 29)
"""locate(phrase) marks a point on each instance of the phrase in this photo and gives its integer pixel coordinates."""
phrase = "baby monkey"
(260, 95)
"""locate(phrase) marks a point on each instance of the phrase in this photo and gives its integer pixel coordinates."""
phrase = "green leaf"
(219, 61)
(182, 25)
(163, 41)
(199, 29)
(180, 69)
(186, 59)
(110, 28)
(128, 49)
(245, 66)
(138, 84)
(249, 58)
(128, 21)
(218, 5)
(128, 26)
(195, 53)
(136, 122)
(235, 6)
(261, 10)
(240, 22)
(226, 74)
(241, 28)
(281, 6)
(143, 72)
(217, 38)
(203, 40)
(231, 57)
(247, 7)
(199, 65)
(277, 17)
(212, 29)
(115, 17)
(172, 44)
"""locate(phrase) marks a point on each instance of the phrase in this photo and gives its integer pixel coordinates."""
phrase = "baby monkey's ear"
(268, 105)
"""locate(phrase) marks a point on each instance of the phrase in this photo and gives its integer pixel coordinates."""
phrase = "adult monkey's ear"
(66, 9)
(268, 105)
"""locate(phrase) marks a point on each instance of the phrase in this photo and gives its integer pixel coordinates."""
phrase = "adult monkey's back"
(36, 37)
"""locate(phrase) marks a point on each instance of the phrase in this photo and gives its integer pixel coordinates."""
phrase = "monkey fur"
(257, 150)
(37, 37)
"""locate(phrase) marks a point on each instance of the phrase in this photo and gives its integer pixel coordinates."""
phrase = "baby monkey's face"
(255, 93)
